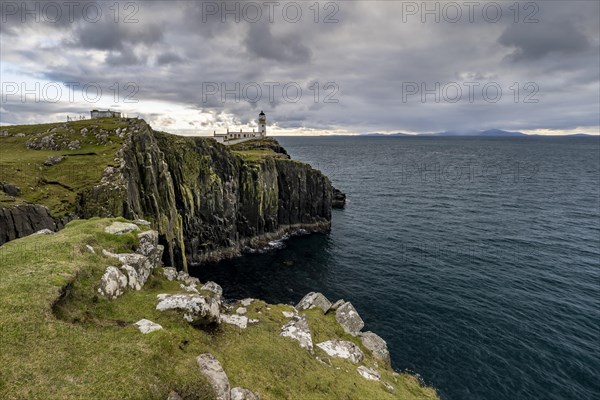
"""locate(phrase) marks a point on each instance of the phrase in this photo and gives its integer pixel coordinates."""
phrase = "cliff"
(206, 200)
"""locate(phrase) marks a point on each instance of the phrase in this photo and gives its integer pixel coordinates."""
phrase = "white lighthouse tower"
(262, 124)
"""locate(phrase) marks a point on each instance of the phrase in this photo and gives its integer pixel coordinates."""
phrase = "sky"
(330, 67)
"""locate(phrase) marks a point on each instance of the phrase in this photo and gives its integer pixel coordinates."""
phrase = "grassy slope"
(56, 186)
(99, 355)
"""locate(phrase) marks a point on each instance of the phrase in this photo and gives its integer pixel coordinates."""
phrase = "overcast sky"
(379, 66)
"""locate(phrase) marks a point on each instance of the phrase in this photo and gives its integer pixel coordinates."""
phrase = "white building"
(105, 114)
(237, 137)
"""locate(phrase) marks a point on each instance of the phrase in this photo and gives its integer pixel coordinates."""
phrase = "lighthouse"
(262, 124)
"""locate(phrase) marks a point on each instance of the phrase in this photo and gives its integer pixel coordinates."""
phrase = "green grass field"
(59, 340)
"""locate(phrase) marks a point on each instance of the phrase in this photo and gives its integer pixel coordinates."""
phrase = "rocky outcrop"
(338, 199)
(297, 329)
(368, 373)
(212, 370)
(23, 220)
(342, 349)
(312, 300)
(147, 326)
(377, 346)
(349, 319)
(113, 283)
(197, 309)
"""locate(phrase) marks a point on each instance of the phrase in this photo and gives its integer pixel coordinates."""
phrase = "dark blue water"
(478, 260)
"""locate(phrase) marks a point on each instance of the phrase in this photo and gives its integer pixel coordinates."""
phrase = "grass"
(59, 340)
(55, 186)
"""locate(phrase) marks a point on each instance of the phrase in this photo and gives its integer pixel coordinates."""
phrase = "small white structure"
(105, 114)
(237, 137)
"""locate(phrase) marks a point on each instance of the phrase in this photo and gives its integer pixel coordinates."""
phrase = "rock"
(388, 387)
(342, 349)
(253, 321)
(83, 131)
(338, 199)
(190, 288)
(188, 280)
(74, 145)
(211, 368)
(288, 314)
(147, 326)
(142, 222)
(11, 190)
(107, 253)
(312, 300)
(237, 320)
(337, 305)
(53, 160)
(212, 287)
(20, 134)
(23, 220)
(113, 283)
(241, 310)
(368, 373)
(133, 278)
(3, 133)
(90, 249)
(347, 316)
(174, 396)
(43, 232)
(198, 309)
(119, 228)
(170, 273)
(297, 329)
(149, 246)
(377, 346)
(246, 302)
(140, 263)
(238, 393)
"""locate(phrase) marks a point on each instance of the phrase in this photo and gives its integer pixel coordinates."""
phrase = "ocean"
(476, 259)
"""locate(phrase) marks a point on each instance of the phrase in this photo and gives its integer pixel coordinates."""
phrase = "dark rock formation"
(339, 199)
(23, 220)
(10, 190)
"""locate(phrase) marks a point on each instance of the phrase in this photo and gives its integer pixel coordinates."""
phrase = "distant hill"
(489, 133)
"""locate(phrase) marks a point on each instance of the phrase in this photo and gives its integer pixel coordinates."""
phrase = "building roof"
(261, 113)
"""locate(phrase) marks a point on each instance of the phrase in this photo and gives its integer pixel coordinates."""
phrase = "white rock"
(133, 279)
(238, 393)
(197, 309)
(119, 228)
(140, 263)
(141, 222)
(347, 316)
(212, 287)
(288, 314)
(312, 300)
(90, 249)
(211, 368)
(253, 321)
(147, 326)
(241, 310)
(237, 320)
(246, 302)
(43, 232)
(377, 346)
(342, 349)
(107, 253)
(113, 283)
(368, 373)
(170, 273)
(337, 305)
(190, 288)
(297, 329)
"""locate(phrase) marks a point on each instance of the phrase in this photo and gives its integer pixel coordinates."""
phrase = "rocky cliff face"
(206, 201)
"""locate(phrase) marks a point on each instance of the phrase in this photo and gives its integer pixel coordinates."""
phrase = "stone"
(109, 254)
(198, 309)
(338, 199)
(238, 393)
(142, 222)
(53, 160)
(43, 232)
(377, 346)
(133, 279)
(149, 246)
(337, 305)
(241, 310)
(312, 300)
(147, 326)
(212, 287)
(297, 329)
(140, 263)
(237, 320)
(253, 321)
(119, 228)
(174, 396)
(211, 368)
(112, 283)
(342, 349)
(74, 145)
(90, 249)
(246, 302)
(187, 279)
(83, 131)
(368, 373)
(3, 133)
(11, 190)
(190, 288)
(288, 314)
(170, 273)
(347, 316)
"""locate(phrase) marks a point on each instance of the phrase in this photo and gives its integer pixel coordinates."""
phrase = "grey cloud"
(261, 42)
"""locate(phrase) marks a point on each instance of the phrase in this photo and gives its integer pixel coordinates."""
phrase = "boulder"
(338, 199)
(288, 314)
(342, 349)
(238, 320)
(90, 249)
(368, 373)
(238, 393)
(313, 300)
(212, 370)
(140, 263)
(170, 273)
(213, 287)
(377, 346)
(184, 277)
(147, 326)
(74, 145)
(53, 160)
(119, 228)
(113, 283)
(297, 329)
(198, 309)
(246, 302)
(337, 305)
(190, 288)
(347, 316)
(241, 310)
(133, 279)
(149, 246)
(11, 190)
